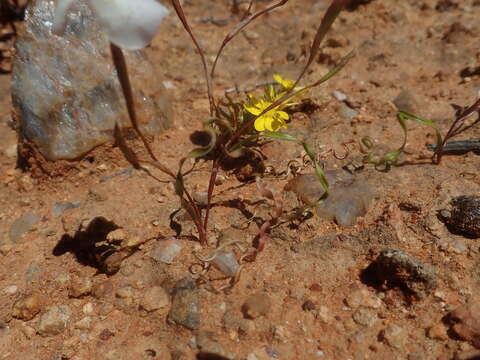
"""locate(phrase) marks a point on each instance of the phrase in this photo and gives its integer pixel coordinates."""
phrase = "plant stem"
(122, 72)
(211, 186)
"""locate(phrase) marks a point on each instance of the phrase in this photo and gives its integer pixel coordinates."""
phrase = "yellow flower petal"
(282, 114)
(260, 124)
(269, 123)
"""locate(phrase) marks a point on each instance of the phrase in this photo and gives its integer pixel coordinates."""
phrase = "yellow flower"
(272, 120)
(286, 83)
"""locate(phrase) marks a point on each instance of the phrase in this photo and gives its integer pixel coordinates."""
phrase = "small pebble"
(60, 207)
(10, 290)
(346, 112)
(155, 298)
(465, 322)
(362, 297)
(339, 95)
(227, 263)
(124, 292)
(256, 305)
(80, 286)
(365, 317)
(28, 307)
(22, 225)
(84, 324)
(395, 336)
(87, 308)
(185, 309)
(165, 251)
(54, 321)
(309, 306)
(116, 236)
(437, 332)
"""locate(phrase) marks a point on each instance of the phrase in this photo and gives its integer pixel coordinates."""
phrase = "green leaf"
(318, 170)
(322, 178)
(280, 136)
(310, 152)
(403, 115)
(333, 11)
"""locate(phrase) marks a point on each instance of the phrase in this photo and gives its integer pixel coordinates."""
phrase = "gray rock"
(32, 273)
(54, 321)
(60, 207)
(464, 216)
(347, 200)
(22, 225)
(407, 101)
(185, 308)
(65, 90)
(227, 263)
(395, 268)
(346, 112)
(339, 95)
(166, 250)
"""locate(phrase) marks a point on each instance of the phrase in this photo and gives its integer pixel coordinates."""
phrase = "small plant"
(234, 128)
(462, 122)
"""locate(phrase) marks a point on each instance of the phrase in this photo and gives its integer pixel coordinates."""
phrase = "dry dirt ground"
(308, 295)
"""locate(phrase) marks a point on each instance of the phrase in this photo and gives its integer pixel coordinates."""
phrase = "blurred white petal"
(130, 24)
(60, 18)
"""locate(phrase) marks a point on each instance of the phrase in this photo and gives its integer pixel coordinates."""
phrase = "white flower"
(130, 24)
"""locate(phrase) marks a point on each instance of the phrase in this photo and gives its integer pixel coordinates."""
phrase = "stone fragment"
(28, 331)
(346, 112)
(256, 305)
(102, 289)
(437, 332)
(394, 336)
(407, 101)
(65, 91)
(208, 345)
(227, 263)
(60, 207)
(54, 321)
(324, 315)
(347, 199)
(10, 290)
(185, 309)
(396, 268)
(465, 322)
(28, 307)
(365, 317)
(309, 305)
(116, 236)
(165, 251)
(280, 333)
(155, 298)
(80, 286)
(84, 324)
(360, 296)
(464, 216)
(124, 292)
(22, 225)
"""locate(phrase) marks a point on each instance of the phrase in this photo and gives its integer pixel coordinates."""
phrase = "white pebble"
(10, 290)
(339, 95)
